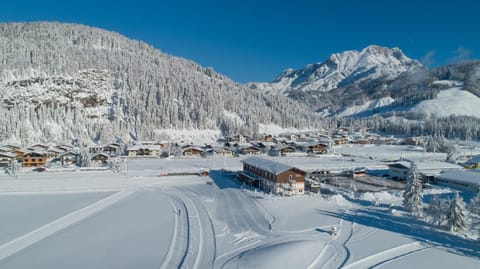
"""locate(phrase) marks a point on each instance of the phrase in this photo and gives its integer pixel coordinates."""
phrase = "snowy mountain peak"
(344, 68)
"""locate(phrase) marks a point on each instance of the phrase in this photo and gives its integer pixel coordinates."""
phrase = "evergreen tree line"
(450, 214)
(146, 90)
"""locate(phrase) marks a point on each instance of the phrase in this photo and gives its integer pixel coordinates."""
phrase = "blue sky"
(255, 40)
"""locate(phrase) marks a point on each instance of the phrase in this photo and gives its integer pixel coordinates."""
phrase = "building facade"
(273, 177)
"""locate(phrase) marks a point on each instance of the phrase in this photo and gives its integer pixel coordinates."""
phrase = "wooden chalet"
(54, 153)
(65, 147)
(99, 159)
(237, 138)
(10, 147)
(282, 150)
(224, 152)
(6, 158)
(111, 150)
(94, 149)
(39, 147)
(20, 153)
(191, 151)
(273, 177)
(34, 159)
(144, 151)
(250, 150)
(317, 148)
(68, 158)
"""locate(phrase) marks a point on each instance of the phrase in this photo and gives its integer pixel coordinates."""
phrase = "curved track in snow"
(193, 242)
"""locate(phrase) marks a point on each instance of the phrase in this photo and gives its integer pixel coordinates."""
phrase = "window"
(290, 177)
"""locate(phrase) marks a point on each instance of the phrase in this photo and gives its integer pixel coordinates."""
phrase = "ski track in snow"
(22, 242)
(193, 243)
(386, 256)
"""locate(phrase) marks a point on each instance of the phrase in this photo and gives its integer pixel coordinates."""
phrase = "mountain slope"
(341, 69)
(373, 81)
(64, 81)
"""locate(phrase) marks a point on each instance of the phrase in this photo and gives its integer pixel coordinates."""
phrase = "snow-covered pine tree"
(474, 204)
(431, 145)
(457, 214)
(452, 155)
(474, 210)
(438, 209)
(412, 197)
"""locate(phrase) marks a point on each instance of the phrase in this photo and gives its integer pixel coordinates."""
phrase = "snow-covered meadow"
(138, 219)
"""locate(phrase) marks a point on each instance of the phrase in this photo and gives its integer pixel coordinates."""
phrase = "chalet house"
(34, 159)
(224, 152)
(414, 141)
(360, 141)
(94, 149)
(340, 140)
(39, 147)
(281, 150)
(317, 148)
(190, 151)
(112, 150)
(65, 148)
(6, 158)
(68, 158)
(20, 153)
(11, 147)
(54, 153)
(99, 159)
(237, 139)
(250, 150)
(144, 151)
(273, 177)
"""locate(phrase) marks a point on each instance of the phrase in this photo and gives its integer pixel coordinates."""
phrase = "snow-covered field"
(143, 220)
(454, 101)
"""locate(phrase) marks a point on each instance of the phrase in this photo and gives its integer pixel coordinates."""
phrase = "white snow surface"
(138, 219)
(454, 101)
(370, 105)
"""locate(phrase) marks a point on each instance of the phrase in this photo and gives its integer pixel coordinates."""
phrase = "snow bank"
(339, 200)
(382, 196)
(280, 255)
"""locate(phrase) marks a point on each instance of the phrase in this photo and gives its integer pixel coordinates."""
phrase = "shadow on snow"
(413, 228)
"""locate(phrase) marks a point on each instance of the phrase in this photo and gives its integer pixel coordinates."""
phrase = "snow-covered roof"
(192, 148)
(149, 147)
(474, 160)
(427, 165)
(56, 150)
(267, 165)
(68, 153)
(100, 154)
(7, 154)
(461, 176)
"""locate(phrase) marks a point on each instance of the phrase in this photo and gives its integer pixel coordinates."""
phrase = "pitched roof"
(139, 146)
(461, 176)
(267, 165)
(7, 154)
